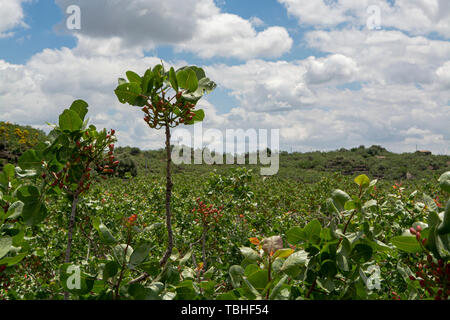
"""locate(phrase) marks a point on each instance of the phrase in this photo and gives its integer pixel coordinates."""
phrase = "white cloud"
(196, 26)
(11, 16)
(443, 74)
(416, 16)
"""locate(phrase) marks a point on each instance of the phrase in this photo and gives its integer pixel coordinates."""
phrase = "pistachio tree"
(167, 99)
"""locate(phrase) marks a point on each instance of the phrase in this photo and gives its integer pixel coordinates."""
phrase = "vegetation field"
(82, 219)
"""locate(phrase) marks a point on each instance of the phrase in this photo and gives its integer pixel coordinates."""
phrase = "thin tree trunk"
(70, 234)
(168, 198)
(204, 247)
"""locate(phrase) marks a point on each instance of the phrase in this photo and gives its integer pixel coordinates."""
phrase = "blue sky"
(316, 70)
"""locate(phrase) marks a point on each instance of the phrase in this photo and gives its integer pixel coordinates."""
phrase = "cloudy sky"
(327, 73)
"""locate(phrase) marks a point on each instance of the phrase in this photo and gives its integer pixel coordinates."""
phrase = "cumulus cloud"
(11, 16)
(196, 26)
(415, 16)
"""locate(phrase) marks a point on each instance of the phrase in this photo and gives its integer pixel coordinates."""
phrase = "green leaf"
(312, 230)
(173, 79)
(362, 181)
(120, 255)
(277, 288)
(134, 77)
(128, 93)
(70, 121)
(361, 252)
(34, 213)
(140, 254)
(296, 235)
(10, 261)
(103, 231)
(9, 171)
(407, 244)
(328, 268)
(444, 181)
(182, 76)
(283, 253)
(28, 194)
(293, 264)
(249, 254)
(191, 81)
(80, 107)
(111, 269)
(15, 210)
(29, 160)
(340, 198)
(259, 279)
(5, 245)
(236, 274)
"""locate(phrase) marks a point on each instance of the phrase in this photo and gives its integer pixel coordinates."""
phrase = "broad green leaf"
(173, 79)
(362, 181)
(296, 235)
(9, 171)
(293, 264)
(80, 107)
(259, 279)
(5, 245)
(276, 290)
(110, 270)
(236, 274)
(34, 213)
(191, 81)
(29, 160)
(312, 230)
(140, 254)
(283, 253)
(133, 77)
(407, 244)
(28, 194)
(340, 198)
(249, 254)
(103, 231)
(15, 210)
(186, 257)
(10, 261)
(182, 76)
(120, 255)
(69, 120)
(328, 268)
(361, 252)
(128, 93)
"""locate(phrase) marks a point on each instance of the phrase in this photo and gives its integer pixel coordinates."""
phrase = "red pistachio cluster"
(434, 277)
(157, 111)
(131, 220)
(86, 154)
(206, 213)
(417, 232)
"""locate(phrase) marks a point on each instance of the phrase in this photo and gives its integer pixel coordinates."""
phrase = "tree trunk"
(70, 234)
(168, 198)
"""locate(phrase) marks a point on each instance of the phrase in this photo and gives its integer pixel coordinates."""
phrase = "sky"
(328, 74)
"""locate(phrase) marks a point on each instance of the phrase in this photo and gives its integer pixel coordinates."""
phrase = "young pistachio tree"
(66, 163)
(167, 99)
